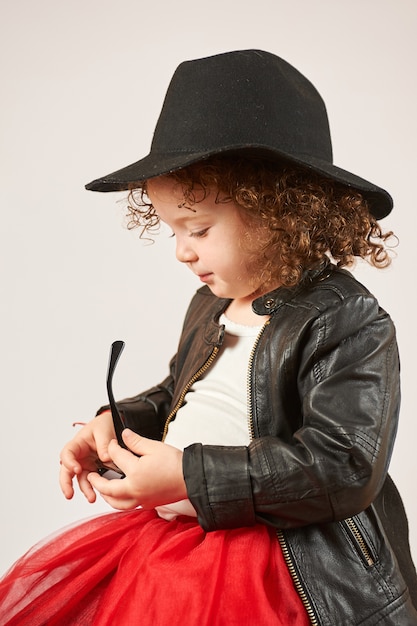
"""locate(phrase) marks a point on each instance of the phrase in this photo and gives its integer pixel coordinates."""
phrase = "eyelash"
(200, 233)
(197, 234)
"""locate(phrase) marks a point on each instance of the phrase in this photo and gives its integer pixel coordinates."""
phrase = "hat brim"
(157, 164)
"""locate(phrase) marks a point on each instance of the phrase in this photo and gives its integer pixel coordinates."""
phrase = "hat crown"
(248, 98)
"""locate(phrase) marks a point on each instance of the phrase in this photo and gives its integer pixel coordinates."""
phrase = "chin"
(220, 293)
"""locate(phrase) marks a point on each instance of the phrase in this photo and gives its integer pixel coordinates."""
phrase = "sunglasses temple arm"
(119, 426)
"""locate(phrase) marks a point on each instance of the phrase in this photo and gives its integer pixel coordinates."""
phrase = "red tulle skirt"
(127, 568)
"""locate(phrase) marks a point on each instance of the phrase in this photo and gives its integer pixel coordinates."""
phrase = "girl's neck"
(240, 311)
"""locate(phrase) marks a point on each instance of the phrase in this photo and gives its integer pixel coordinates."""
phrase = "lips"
(205, 277)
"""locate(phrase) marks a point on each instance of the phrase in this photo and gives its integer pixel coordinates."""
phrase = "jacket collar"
(270, 302)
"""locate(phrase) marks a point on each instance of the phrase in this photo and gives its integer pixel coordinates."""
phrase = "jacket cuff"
(219, 486)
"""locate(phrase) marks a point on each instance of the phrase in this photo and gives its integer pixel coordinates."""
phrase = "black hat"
(243, 100)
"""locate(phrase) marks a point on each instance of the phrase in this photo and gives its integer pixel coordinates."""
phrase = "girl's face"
(209, 239)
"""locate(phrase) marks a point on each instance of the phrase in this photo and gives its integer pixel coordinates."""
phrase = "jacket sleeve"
(334, 429)
(146, 413)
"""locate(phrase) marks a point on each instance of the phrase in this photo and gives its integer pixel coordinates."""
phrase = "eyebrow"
(186, 219)
(191, 214)
(182, 205)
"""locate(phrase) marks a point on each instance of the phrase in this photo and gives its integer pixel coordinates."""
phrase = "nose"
(185, 252)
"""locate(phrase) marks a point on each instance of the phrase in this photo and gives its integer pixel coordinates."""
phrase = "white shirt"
(215, 408)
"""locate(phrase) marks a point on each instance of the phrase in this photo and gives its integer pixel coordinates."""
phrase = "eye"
(199, 233)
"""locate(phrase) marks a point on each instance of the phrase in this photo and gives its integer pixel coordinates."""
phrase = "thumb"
(138, 444)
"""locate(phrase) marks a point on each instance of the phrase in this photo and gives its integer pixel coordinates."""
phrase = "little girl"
(256, 490)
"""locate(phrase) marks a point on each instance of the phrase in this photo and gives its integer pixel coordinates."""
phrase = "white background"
(82, 84)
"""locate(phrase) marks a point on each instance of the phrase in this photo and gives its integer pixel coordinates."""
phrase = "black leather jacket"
(323, 398)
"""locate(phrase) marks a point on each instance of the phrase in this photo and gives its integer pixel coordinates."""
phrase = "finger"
(86, 487)
(121, 457)
(114, 492)
(65, 482)
(69, 455)
(104, 435)
(140, 445)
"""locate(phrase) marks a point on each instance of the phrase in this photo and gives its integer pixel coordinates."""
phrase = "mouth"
(205, 278)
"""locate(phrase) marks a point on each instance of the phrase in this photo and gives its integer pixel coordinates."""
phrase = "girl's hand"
(154, 479)
(80, 455)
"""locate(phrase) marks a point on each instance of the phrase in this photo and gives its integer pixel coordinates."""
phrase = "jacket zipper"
(280, 535)
(351, 525)
(296, 579)
(249, 379)
(187, 387)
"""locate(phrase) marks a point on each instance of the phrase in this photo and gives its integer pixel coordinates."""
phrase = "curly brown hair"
(307, 217)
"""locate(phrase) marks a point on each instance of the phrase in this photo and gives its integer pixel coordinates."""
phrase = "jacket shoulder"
(320, 292)
(334, 288)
